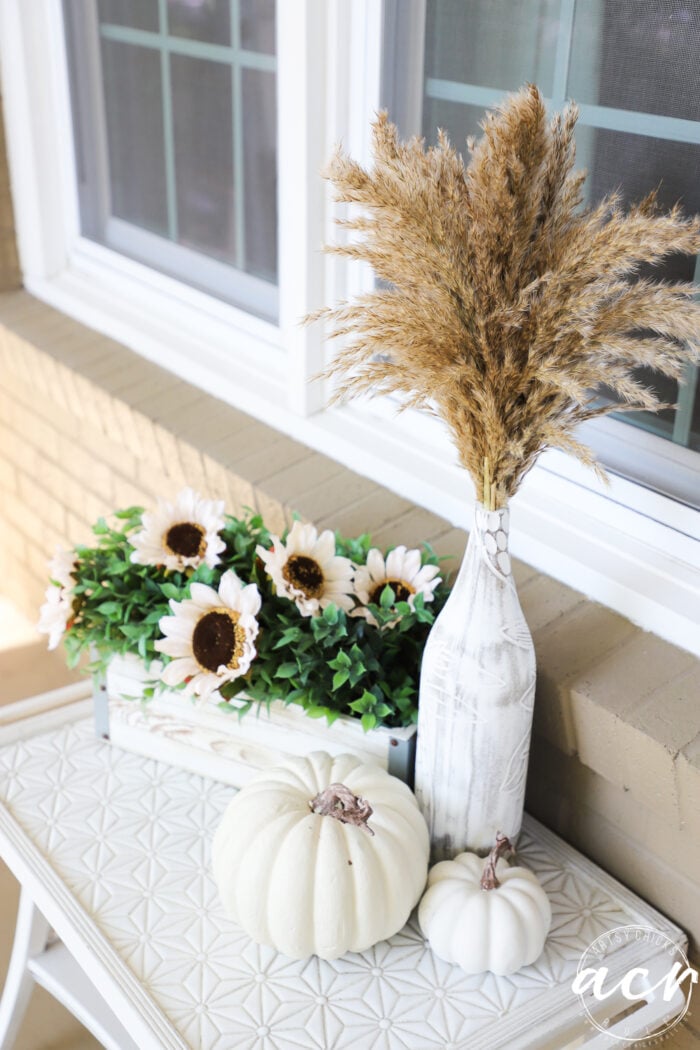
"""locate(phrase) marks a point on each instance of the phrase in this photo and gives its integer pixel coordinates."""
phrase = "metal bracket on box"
(402, 759)
(101, 706)
(100, 699)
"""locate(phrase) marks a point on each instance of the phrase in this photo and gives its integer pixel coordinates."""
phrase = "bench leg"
(31, 937)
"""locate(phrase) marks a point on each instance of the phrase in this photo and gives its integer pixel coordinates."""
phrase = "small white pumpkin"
(483, 915)
(321, 856)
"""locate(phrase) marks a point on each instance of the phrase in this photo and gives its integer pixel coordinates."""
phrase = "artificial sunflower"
(307, 570)
(402, 571)
(181, 535)
(57, 610)
(210, 636)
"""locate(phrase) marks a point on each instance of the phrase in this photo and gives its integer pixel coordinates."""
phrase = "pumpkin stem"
(339, 802)
(489, 879)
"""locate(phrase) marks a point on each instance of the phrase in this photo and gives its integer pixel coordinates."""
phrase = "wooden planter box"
(206, 740)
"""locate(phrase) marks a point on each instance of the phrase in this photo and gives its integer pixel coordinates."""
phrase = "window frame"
(631, 549)
(611, 437)
(251, 293)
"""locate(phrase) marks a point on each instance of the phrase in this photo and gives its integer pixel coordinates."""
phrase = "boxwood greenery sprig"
(336, 663)
(358, 655)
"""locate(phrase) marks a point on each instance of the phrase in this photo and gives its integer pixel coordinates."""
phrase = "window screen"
(174, 109)
(632, 65)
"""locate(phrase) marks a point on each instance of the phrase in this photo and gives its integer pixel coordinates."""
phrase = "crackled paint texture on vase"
(477, 693)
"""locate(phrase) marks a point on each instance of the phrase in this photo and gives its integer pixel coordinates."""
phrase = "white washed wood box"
(200, 737)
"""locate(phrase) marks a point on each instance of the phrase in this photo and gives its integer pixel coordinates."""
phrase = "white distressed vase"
(477, 692)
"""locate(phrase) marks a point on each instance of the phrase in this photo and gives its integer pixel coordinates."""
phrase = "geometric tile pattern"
(130, 837)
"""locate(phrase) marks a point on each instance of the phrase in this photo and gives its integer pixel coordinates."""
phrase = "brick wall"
(87, 426)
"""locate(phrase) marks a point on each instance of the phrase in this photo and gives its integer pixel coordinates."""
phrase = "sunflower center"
(401, 589)
(185, 538)
(218, 639)
(304, 573)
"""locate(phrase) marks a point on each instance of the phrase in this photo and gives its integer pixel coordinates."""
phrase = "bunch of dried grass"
(507, 303)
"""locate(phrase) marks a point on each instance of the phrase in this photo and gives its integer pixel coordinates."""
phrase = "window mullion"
(237, 137)
(302, 150)
(404, 42)
(563, 53)
(168, 126)
(687, 393)
(353, 93)
(683, 419)
(365, 32)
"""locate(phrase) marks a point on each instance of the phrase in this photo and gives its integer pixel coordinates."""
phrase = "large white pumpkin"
(305, 882)
(483, 915)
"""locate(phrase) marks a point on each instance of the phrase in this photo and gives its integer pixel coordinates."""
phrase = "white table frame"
(78, 965)
(39, 957)
(55, 944)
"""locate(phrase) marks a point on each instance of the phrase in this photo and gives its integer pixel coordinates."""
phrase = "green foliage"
(330, 664)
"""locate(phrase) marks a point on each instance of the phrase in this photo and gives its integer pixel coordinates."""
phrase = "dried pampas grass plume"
(507, 303)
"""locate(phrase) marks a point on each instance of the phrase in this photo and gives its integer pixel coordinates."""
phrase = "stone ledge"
(86, 425)
(656, 859)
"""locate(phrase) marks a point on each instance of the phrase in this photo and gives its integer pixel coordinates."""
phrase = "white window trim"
(260, 296)
(632, 549)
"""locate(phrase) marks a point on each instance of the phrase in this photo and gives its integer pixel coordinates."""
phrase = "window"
(165, 159)
(174, 116)
(632, 67)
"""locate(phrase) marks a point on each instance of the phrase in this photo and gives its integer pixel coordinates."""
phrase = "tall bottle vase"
(477, 692)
